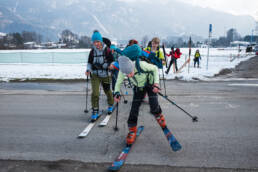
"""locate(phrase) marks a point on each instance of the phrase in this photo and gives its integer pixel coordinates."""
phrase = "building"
(2, 35)
(256, 29)
(29, 45)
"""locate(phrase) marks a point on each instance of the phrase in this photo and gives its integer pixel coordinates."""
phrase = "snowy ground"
(218, 60)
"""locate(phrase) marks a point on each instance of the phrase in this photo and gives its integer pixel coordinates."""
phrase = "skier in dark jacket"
(99, 61)
(172, 61)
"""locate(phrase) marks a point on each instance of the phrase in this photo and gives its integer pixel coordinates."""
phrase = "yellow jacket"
(159, 53)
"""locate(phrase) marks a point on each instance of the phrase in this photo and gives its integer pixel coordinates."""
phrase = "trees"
(17, 40)
(69, 38)
(145, 40)
(251, 38)
(84, 42)
(31, 37)
(233, 35)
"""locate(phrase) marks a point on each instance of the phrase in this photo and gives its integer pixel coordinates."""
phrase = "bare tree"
(145, 40)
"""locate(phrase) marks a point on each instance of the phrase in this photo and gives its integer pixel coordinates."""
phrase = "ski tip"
(176, 146)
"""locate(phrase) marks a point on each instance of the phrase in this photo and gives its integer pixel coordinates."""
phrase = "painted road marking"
(244, 85)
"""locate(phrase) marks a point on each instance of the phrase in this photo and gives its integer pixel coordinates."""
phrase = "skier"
(173, 60)
(177, 55)
(146, 81)
(99, 60)
(197, 58)
(153, 46)
(131, 42)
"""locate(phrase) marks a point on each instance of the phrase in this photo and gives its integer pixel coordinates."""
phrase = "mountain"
(116, 19)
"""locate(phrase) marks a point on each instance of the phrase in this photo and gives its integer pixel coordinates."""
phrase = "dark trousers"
(173, 60)
(137, 100)
(114, 78)
(196, 60)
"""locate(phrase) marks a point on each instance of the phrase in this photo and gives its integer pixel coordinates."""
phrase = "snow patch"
(218, 60)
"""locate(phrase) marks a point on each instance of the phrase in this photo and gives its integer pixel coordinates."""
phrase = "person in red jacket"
(174, 56)
(172, 52)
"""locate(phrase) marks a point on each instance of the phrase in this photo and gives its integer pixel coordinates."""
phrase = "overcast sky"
(236, 7)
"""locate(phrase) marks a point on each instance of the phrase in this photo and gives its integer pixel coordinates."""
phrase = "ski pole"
(86, 109)
(165, 55)
(164, 83)
(116, 128)
(194, 118)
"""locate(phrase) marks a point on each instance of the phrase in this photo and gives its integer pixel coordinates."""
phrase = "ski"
(104, 122)
(185, 63)
(175, 145)
(120, 160)
(87, 130)
(189, 58)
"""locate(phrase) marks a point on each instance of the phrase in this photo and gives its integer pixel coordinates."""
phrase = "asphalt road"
(39, 124)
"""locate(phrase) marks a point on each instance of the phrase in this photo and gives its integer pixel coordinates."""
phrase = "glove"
(117, 97)
(155, 88)
(87, 73)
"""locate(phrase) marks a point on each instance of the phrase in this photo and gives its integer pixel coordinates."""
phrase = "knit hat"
(96, 36)
(112, 47)
(126, 65)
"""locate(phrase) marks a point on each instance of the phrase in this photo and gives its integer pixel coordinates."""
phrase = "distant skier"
(131, 42)
(172, 61)
(145, 82)
(197, 58)
(99, 60)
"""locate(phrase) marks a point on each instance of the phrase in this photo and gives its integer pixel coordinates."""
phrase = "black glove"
(117, 95)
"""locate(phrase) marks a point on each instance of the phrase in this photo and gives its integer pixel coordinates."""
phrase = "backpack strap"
(142, 71)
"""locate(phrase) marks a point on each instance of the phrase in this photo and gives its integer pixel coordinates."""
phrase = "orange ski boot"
(131, 135)
(161, 120)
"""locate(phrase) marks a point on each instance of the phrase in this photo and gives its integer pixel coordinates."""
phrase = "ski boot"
(161, 120)
(131, 135)
(95, 115)
(110, 109)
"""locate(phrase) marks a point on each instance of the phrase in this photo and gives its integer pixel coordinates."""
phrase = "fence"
(44, 57)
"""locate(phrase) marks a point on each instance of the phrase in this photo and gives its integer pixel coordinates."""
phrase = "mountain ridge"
(116, 19)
